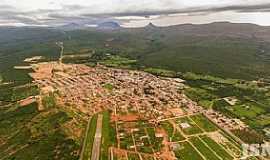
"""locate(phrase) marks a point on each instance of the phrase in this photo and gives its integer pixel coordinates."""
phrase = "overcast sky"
(132, 13)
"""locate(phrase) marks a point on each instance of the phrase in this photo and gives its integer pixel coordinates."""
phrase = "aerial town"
(152, 117)
(135, 80)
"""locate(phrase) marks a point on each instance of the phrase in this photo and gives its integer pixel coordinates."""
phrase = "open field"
(191, 127)
(204, 123)
(250, 104)
(203, 148)
(173, 134)
(187, 152)
(217, 148)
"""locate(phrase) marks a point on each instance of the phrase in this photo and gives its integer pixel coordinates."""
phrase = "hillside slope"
(220, 49)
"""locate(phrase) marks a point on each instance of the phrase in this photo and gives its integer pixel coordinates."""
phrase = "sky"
(132, 13)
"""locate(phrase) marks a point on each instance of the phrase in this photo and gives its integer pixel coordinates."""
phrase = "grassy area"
(217, 148)
(80, 58)
(89, 138)
(141, 137)
(133, 156)
(161, 72)
(49, 101)
(118, 61)
(126, 142)
(187, 152)
(204, 123)
(173, 133)
(193, 129)
(262, 120)
(108, 86)
(147, 157)
(249, 136)
(207, 153)
(15, 117)
(248, 110)
(12, 93)
(155, 142)
(108, 136)
(252, 99)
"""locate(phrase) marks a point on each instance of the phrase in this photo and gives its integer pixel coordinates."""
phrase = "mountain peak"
(71, 26)
(151, 25)
(109, 25)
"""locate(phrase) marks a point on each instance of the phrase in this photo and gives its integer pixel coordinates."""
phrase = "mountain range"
(220, 49)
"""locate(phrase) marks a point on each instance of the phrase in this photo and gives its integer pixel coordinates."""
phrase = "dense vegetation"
(181, 49)
(26, 133)
(251, 106)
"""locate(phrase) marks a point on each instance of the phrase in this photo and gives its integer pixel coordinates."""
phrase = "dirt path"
(172, 118)
(61, 45)
(97, 141)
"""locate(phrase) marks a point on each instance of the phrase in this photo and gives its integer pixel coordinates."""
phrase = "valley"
(133, 93)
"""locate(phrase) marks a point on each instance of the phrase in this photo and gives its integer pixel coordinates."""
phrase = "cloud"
(237, 8)
(49, 12)
(6, 7)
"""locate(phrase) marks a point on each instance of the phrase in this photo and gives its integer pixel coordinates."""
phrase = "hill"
(55, 130)
(109, 26)
(220, 49)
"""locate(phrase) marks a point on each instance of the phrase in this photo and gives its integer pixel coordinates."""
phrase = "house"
(184, 125)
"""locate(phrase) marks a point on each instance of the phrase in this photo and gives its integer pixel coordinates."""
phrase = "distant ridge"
(71, 26)
(109, 25)
(151, 26)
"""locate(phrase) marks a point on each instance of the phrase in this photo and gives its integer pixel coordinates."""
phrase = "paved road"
(97, 141)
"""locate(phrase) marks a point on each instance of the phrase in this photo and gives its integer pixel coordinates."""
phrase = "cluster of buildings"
(130, 95)
(93, 89)
(128, 92)
(225, 122)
